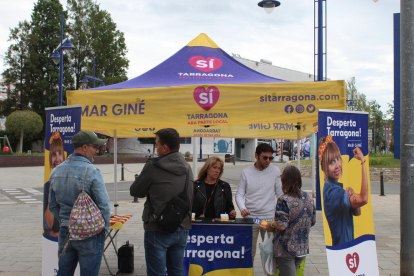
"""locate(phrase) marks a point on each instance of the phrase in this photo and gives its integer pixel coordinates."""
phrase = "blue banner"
(62, 123)
(66, 121)
(344, 193)
(348, 130)
(219, 250)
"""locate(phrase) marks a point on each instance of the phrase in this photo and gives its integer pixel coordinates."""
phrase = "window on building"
(260, 141)
(185, 140)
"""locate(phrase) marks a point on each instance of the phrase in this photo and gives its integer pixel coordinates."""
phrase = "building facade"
(4, 88)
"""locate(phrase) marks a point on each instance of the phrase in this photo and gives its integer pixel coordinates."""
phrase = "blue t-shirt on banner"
(338, 212)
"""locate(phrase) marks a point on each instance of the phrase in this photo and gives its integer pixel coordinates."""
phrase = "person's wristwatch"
(271, 225)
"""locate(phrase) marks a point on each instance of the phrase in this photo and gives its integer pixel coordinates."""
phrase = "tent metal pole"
(115, 171)
(115, 178)
(194, 139)
(313, 150)
(298, 147)
(201, 149)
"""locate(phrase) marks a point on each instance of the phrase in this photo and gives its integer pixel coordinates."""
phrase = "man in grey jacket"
(161, 180)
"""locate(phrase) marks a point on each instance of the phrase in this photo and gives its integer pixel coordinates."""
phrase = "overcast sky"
(360, 34)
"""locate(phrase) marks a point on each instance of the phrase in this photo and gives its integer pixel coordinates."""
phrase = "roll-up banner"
(345, 193)
(62, 123)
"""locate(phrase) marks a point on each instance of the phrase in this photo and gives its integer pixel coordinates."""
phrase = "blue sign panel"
(348, 129)
(65, 121)
(62, 123)
(219, 250)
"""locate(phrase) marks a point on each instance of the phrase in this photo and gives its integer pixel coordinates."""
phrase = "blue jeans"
(165, 250)
(87, 252)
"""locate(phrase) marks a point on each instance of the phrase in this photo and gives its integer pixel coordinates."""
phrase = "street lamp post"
(57, 56)
(269, 5)
(350, 104)
(85, 81)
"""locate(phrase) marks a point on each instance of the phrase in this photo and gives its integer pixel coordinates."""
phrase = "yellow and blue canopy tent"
(202, 91)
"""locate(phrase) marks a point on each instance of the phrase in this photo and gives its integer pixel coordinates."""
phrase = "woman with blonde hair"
(212, 196)
(340, 205)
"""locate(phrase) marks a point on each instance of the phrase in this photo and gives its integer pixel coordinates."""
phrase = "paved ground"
(21, 226)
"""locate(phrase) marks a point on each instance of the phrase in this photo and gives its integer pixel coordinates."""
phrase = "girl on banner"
(340, 205)
(212, 196)
(56, 157)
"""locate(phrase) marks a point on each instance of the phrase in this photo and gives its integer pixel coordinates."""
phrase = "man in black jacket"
(162, 179)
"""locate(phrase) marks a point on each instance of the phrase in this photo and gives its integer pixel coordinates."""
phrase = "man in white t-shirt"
(259, 185)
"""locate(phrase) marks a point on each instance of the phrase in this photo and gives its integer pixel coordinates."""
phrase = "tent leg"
(115, 172)
(194, 139)
(115, 178)
(313, 151)
(298, 147)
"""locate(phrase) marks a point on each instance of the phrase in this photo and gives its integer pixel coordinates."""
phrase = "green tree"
(79, 12)
(96, 36)
(43, 81)
(390, 111)
(389, 120)
(16, 72)
(36, 77)
(109, 47)
(359, 100)
(9, 105)
(392, 145)
(390, 117)
(376, 116)
(23, 123)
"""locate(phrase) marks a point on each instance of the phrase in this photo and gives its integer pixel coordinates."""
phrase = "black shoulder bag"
(175, 212)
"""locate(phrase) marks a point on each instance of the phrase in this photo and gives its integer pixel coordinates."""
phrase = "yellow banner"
(190, 106)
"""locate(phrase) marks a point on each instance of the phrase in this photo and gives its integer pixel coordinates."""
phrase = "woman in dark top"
(212, 196)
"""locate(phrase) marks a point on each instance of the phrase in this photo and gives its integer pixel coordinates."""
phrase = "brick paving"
(21, 238)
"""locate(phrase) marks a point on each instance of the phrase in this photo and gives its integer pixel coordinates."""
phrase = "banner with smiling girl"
(345, 192)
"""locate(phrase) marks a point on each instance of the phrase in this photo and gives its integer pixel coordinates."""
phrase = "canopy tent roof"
(202, 86)
(199, 62)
